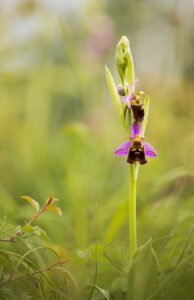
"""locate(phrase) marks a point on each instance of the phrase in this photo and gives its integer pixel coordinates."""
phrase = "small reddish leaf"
(51, 200)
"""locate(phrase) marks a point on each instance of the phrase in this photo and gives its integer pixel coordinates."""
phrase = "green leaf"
(105, 293)
(18, 228)
(11, 227)
(33, 202)
(54, 208)
(68, 275)
(176, 244)
(28, 227)
(112, 261)
(115, 96)
(119, 284)
(146, 109)
(27, 243)
(36, 229)
(24, 256)
(44, 235)
(142, 273)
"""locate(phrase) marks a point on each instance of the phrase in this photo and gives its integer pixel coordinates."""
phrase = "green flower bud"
(122, 58)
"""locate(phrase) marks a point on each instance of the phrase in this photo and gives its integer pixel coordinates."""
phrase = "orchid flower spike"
(136, 148)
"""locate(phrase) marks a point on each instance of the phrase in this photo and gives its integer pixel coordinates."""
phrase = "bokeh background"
(59, 128)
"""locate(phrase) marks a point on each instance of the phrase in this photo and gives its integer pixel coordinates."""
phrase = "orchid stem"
(132, 211)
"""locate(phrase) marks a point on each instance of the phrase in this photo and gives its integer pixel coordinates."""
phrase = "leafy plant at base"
(30, 273)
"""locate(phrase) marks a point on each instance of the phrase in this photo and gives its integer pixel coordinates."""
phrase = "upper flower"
(130, 97)
(132, 101)
(136, 148)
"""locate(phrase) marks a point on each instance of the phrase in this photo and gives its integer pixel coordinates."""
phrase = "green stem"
(132, 211)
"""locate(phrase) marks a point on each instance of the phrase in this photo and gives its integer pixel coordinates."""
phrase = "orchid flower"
(136, 148)
(132, 101)
(130, 97)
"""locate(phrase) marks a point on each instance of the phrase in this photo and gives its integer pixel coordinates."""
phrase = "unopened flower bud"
(122, 58)
(120, 90)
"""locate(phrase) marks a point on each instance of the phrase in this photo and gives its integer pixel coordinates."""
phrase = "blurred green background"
(58, 126)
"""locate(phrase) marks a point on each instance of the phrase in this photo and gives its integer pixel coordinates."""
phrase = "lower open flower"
(136, 148)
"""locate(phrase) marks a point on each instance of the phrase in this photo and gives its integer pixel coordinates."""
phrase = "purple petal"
(135, 129)
(149, 150)
(132, 86)
(123, 149)
(127, 99)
